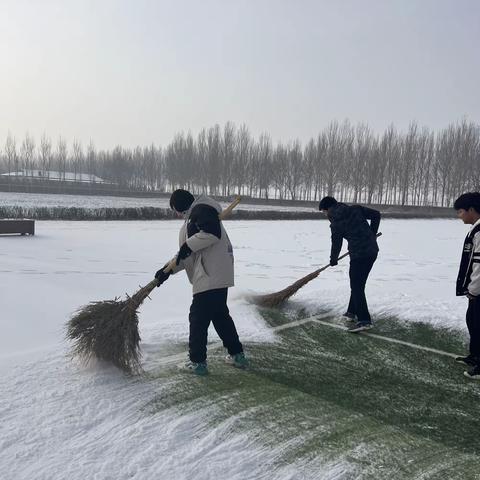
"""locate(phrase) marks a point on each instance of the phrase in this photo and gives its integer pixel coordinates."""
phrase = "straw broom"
(108, 329)
(273, 300)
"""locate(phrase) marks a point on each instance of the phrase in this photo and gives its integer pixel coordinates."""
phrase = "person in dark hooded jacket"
(351, 223)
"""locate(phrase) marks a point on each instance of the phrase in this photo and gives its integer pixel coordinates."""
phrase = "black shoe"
(473, 373)
(468, 360)
(360, 327)
(349, 316)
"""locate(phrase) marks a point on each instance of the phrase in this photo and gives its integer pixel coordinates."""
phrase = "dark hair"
(326, 203)
(181, 200)
(467, 200)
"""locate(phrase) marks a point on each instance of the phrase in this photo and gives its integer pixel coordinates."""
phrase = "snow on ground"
(30, 200)
(61, 420)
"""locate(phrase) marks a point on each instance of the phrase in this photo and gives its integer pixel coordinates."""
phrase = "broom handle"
(341, 256)
(222, 215)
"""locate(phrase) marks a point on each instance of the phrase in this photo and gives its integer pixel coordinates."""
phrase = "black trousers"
(211, 306)
(473, 325)
(359, 270)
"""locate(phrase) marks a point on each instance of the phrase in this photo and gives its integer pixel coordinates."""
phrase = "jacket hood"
(338, 211)
(204, 200)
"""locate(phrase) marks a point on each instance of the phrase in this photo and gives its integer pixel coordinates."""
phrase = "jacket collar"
(475, 224)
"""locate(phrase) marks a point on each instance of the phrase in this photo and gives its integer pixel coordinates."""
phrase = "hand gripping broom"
(273, 300)
(108, 329)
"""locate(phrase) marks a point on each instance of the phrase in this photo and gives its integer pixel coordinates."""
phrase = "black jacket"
(470, 259)
(350, 222)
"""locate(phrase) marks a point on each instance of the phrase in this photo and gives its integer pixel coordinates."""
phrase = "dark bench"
(20, 226)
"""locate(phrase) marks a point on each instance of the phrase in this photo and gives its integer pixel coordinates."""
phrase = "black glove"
(161, 276)
(333, 262)
(183, 253)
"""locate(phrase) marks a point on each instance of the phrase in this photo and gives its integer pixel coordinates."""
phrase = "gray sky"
(133, 72)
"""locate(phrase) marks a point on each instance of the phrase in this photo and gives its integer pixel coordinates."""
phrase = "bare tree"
(242, 158)
(279, 171)
(214, 159)
(202, 161)
(338, 142)
(27, 154)
(294, 169)
(91, 160)
(444, 154)
(228, 147)
(45, 155)
(61, 158)
(264, 160)
(77, 159)
(309, 163)
(11, 154)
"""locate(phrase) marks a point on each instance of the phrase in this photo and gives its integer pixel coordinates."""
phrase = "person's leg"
(351, 311)
(199, 318)
(473, 324)
(223, 322)
(359, 270)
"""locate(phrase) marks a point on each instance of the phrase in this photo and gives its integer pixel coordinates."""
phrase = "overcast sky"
(133, 72)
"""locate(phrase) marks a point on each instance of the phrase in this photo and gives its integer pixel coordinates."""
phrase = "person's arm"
(164, 273)
(374, 217)
(203, 228)
(474, 285)
(337, 242)
(178, 267)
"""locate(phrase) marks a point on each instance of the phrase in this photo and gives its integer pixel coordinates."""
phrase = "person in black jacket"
(350, 223)
(468, 280)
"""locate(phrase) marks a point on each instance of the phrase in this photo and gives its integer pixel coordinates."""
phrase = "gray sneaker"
(467, 360)
(349, 319)
(360, 327)
(473, 373)
(238, 360)
(195, 368)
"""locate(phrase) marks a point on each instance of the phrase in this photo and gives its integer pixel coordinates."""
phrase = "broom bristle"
(272, 300)
(108, 330)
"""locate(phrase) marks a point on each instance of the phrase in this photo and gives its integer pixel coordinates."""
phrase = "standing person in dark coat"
(350, 222)
(468, 281)
(206, 255)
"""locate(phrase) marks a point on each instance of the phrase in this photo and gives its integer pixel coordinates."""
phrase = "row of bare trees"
(351, 162)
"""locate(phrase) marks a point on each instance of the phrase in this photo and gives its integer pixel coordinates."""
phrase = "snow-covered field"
(60, 420)
(29, 200)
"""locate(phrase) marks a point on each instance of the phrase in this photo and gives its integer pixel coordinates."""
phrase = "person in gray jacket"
(206, 255)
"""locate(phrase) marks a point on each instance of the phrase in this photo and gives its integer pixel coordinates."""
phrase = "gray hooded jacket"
(210, 265)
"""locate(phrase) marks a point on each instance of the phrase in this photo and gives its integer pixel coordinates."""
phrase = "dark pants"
(211, 306)
(359, 271)
(473, 324)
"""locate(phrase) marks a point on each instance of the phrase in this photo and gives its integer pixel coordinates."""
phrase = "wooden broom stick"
(275, 299)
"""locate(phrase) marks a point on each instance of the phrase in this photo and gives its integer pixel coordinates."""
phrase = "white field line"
(391, 340)
(315, 319)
